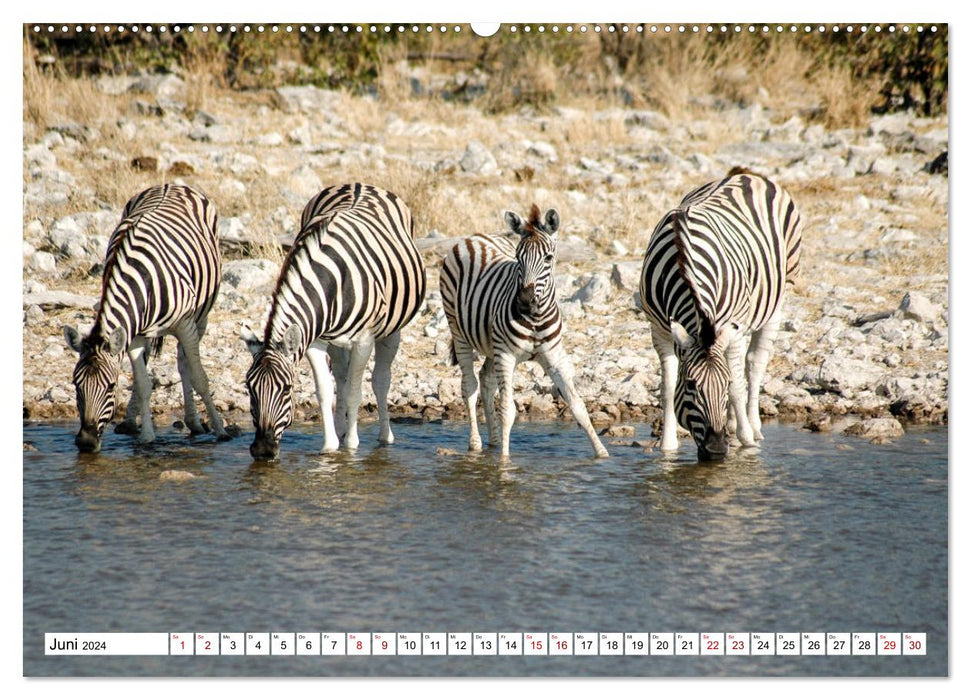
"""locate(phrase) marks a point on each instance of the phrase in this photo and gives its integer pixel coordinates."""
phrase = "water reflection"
(800, 533)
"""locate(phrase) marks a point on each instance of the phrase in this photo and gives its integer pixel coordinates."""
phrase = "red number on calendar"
(538, 644)
(738, 645)
(712, 645)
(914, 645)
(889, 645)
(360, 645)
(562, 645)
(384, 646)
(208, 645)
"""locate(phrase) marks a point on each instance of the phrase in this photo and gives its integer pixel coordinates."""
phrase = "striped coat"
(161, 277)
(714, 275)
(351, 282)
(500, 302)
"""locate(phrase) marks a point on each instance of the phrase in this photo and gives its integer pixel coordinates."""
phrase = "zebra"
(161, 277)
(713, 284)
(352, 280)
(500, 302)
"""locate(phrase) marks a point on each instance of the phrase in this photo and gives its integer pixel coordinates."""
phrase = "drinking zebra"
(351, 282)
(715, 273)
(500, 301)
(161, 276)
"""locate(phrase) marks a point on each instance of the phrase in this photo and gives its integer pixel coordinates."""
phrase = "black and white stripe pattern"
(161, 277)
(714, 277)
(500, 302)
(351, 282)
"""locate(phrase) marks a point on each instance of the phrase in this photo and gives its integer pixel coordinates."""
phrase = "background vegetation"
(838, 77)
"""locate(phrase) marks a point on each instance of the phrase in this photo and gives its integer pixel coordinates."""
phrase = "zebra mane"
(682, 243)
(316, 225)
(534, 222)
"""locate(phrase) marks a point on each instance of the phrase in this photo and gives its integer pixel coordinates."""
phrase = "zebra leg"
(759, 353)
(384, 354)
(470, 390)
(669, 378)
(737, 390)
(324, 384)
(560, 369)
(359, 355)
(142, 388)
(188, 337)
(487, 380)
(129, 426)
(339, 358)
(505, 365)
(192, 421)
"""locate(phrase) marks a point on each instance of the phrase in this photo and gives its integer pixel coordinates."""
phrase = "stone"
(594, 291)
(231, 228)
(478, 160)
(176, 475)
(626, 275)
(306, 181)
(847, 375)
(42, 262)
(56, 299)
(918, 307)
(876, 427)
(250, 274)
(542, 149)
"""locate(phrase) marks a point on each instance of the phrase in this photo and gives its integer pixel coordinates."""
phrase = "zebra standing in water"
(351, 282)
(161, 277)
(715, 272)
(500, 301)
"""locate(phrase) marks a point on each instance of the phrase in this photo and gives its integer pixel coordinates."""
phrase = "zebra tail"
(453, 359)
(157, 346)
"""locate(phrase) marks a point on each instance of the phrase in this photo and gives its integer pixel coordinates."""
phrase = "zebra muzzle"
(714, 445)
(88, 440)
(526, 300)
(264, 448)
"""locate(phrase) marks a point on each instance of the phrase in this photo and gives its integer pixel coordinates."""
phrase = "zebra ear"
(681, 336)
(73, 338)
(253, 343)
(552, 221)
(514, 223)
(117, 341)
(291, 341)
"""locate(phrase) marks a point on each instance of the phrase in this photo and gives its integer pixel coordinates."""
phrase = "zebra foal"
(713, 285)
(500, 302)
(161, 276)
(351, 282)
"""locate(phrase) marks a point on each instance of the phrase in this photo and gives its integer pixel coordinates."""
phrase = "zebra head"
(270, 383)
(535, 254)
(95, 376)
(701, 394)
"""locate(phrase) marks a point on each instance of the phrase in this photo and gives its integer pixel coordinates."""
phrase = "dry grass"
(51, 98)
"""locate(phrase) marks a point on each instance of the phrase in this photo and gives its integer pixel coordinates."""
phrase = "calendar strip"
(486, 644)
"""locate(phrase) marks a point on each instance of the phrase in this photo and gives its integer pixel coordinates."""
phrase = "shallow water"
(811, 533)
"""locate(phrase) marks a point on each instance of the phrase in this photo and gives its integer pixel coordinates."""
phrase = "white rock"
(916, 306)
(478, 160)
(250, 274)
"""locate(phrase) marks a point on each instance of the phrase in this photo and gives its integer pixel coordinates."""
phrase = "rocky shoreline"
(863, 347)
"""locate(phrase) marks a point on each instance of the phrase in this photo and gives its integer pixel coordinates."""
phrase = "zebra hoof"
(602, 452)
(126, 428)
